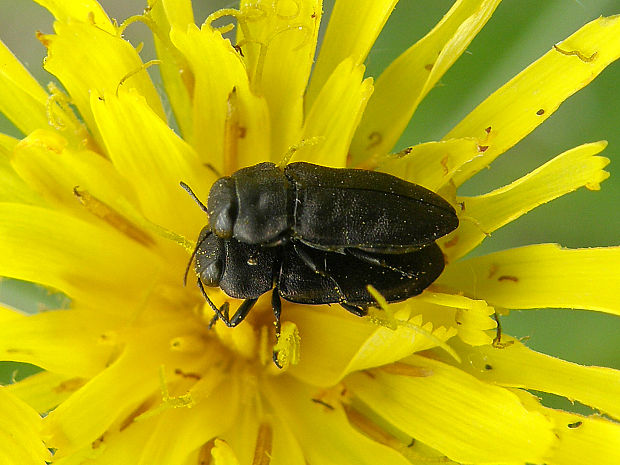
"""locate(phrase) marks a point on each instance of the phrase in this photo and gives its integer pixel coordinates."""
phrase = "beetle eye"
(211, 275)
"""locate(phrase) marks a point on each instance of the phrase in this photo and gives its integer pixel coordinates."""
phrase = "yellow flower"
(91, 206)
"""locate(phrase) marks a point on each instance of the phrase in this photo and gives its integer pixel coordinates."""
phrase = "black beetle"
(318, 235)
(307, 275)
(327, 208)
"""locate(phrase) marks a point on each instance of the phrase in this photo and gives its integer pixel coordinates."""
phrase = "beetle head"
(222, 207)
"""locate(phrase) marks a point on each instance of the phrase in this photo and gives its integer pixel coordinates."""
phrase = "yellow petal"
(45, 390)
(52, 169)
(117, 391)
(146, 151)
(580, 439)
(178, 432)
(116, 64)
(175, 73)
(83, 183)
(585, 440)
(403, 85)
(330, 338)
(222, 97)
(67, 342)
(518, 107)
(431, 164)
(82, 10)
(278, 35)
(12, 187)
(179, 12)
(88, 263)
(487, 424)
(517, 366)
(540, 276)
(567, 172)
(353, 27)
(7, 144)
(20, 432)
(7, 314)
(22, 100)
(334, 344)
(324, 434)
(285, 447)
(334, 116)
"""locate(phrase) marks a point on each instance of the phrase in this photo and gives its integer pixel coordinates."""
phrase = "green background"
(518, 33)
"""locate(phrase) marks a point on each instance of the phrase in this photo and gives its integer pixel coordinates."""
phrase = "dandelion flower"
(91, 207)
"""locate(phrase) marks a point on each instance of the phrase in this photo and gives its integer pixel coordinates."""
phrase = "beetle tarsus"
(276, 305)
(241, 312)
(356, 310)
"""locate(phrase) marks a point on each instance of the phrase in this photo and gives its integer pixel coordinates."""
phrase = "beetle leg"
(372, 259)
(309, 262)
(276, 305)
(241, 312)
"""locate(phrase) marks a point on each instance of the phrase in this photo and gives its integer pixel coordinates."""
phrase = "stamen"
(233, 131)
(144, 67)
(61, 115)
(144, 18)
(293, 149)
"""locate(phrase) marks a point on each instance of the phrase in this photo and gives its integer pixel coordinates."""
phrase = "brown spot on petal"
(188, 375)
(374, 139)
(540, 112)
(143, 407)
(70, 385)
(43, 38)
(444, 164)
(323, 403)
(506, 277)
(404, 369)
(452, 242)
(97, 442)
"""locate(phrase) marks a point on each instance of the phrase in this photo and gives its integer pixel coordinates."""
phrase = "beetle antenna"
(193, 196)
(221, 313)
